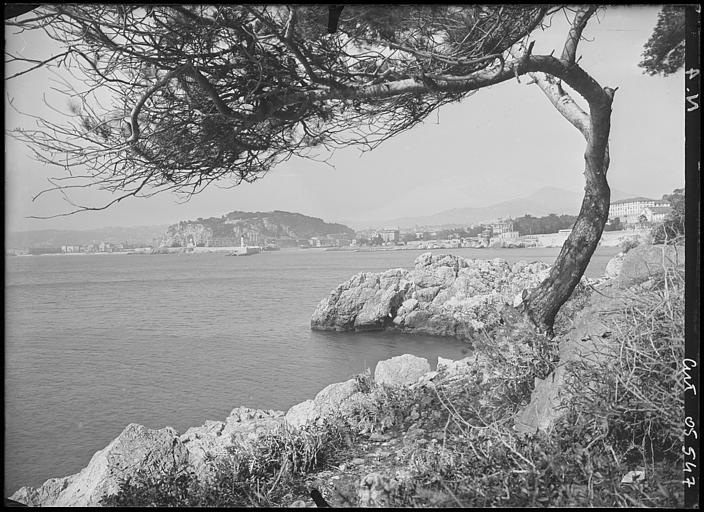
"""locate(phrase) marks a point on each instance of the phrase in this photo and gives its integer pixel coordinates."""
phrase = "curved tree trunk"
(543, 304)
(545, 301)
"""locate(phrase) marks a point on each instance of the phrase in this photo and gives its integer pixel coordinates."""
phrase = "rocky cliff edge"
(444, 295)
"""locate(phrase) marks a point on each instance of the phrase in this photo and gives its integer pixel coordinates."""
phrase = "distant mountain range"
(138, 235)
(545, 201)
(287, 225)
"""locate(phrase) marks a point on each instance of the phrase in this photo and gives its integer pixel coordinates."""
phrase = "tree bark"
(546, 300)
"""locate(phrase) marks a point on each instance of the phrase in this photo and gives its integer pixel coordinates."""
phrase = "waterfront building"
(390, 235)
(656, 213)
(501, 226)
(629, 211)
(509, 235)
(44, 250)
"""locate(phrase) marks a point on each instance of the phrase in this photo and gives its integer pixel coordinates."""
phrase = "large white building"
(390, 235)
(629, 211)
(501, 226)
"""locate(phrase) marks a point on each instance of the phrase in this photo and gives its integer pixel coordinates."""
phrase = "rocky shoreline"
(444, 295)
(448, 288)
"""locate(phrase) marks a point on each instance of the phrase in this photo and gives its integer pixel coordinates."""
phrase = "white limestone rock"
(326, 402)
(401, 370)
(136, 449)
(151, 452)
(302, 414)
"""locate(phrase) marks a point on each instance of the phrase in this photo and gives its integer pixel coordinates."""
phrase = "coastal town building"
(108, 247)
(333, 240)
(656, 213)
(390, 235)
(17, 252)
(501, 226)
(629, 211)
(509, 235)
(92, 248)
(43, 250)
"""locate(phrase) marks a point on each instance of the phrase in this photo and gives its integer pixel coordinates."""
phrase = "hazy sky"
(503, 142)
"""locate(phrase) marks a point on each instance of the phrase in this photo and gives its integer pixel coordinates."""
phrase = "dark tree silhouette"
(334, 17)
(664, 51)
(12, 11)
(177, 97)
(529, 225)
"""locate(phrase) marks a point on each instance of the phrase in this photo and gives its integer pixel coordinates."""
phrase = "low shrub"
(365, 381)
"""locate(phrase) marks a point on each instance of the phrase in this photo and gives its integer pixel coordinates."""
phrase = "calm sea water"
(93, 343)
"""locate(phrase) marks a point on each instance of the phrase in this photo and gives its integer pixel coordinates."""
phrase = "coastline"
(543, 241)
(308, 407)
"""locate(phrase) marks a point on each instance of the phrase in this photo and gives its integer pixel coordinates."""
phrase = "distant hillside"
(138, 235)
(282, 228)
(543, 202)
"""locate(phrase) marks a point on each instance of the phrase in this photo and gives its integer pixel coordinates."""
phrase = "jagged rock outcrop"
(443, 295)
(184, 233)
(140, 450)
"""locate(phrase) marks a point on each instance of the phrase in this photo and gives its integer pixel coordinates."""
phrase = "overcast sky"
(503, 142)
